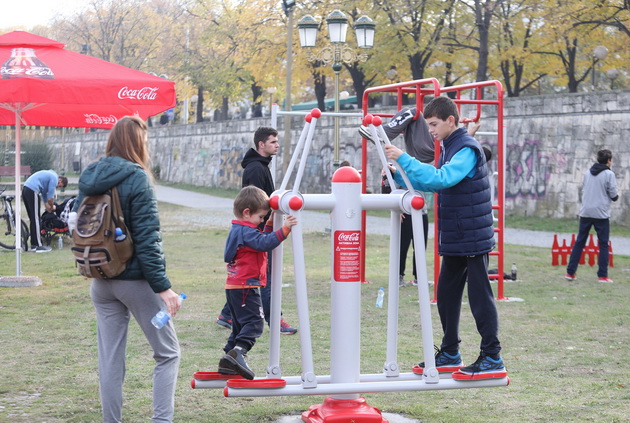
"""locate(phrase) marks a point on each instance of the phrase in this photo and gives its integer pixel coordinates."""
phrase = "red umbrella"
(43, 84)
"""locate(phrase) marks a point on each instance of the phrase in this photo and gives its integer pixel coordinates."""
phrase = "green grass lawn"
(565, 345)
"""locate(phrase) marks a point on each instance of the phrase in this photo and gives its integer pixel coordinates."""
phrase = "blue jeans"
(602, 228)
(265, 297)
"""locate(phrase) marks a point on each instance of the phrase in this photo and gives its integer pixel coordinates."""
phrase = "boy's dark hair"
(64, 181)
(603, 156)
(345, 163)
(252, 198)
(262, 133)
(441, 108)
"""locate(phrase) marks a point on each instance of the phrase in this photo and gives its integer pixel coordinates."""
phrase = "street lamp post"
(337, 52)
(599, 53)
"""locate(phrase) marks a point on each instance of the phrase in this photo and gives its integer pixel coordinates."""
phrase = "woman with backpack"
(143, 288)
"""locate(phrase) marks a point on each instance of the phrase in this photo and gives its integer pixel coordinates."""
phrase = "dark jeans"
(454, 272)
(265, 297)
(406, 238)
(247, 319)
(32, 205)
(602, 228)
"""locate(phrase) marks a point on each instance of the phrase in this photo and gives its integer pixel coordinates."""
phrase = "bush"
(38, 155)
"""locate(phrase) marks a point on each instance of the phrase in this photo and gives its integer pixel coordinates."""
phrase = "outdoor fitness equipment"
(345, 382)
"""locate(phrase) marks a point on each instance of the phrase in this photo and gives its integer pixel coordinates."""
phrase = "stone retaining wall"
(550, 142)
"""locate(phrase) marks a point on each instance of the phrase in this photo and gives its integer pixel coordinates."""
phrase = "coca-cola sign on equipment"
(144, 93)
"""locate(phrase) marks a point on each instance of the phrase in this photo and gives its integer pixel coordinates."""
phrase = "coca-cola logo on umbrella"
(23, 63)
(145, 93)
(91, 118)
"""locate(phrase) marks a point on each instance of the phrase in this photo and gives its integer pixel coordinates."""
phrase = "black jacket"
(256, 171)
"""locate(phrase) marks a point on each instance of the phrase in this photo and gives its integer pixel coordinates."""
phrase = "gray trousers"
(113, 301)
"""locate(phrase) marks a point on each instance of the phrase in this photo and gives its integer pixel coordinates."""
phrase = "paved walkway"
(220, 211)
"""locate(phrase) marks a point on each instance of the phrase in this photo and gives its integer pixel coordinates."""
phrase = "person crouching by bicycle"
(245, 253)
(40, 184)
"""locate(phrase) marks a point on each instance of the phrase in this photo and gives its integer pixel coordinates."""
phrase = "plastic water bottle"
(119, 235)
(59, 242)
(513, 271)
(163, 316)
(379, 297)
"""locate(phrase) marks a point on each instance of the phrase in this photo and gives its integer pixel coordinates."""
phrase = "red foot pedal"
(479, 376)
(257, 383)
(215, 376)
(419, 370)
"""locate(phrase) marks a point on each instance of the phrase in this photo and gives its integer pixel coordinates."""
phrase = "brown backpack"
(98, 250)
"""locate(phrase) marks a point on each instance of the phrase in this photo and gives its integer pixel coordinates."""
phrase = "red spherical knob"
(295, 203)
(367, 119)
(417, 202)
(316, 113)
(377, 121)
(274, 202)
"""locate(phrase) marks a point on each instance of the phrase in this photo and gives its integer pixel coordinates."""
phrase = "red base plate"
(479, 376)
(257, 383)
(419, 370)
(215, 376)
(342, 411)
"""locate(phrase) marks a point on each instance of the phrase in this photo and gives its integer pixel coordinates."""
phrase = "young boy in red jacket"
(246, 254)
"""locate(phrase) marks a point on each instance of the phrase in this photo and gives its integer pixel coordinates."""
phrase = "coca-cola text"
(344, 236)
(92, 118)
(145, 93)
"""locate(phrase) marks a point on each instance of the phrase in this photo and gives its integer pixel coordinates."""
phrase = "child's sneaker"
(444, 362)
(484, 368)
(570, 277)
(224, 322)
(286, 329)
(234, 362)
(605, 279)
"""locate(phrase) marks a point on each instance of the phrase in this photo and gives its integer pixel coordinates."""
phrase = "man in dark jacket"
(256, 172)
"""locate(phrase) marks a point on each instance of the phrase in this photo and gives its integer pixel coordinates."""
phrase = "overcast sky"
(29, 13)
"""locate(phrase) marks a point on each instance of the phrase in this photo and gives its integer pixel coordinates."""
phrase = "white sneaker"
(42, 249)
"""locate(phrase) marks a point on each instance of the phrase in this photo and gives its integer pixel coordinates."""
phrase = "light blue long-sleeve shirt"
(44, 183)
(426, 177)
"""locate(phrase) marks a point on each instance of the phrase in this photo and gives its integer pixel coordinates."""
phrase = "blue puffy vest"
(465, 210)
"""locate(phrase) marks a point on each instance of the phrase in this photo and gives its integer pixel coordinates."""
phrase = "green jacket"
(141, 215)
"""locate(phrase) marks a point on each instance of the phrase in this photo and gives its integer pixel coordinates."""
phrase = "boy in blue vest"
(466, 236)
(246, 255)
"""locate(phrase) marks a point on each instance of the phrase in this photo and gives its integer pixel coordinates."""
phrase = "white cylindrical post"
(345, 339)
(391, 367)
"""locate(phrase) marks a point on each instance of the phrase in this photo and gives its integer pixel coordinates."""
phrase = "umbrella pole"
(18, 193)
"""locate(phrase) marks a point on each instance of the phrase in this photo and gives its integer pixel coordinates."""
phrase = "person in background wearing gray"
(143, 288)
(40, 184)
(599, 189)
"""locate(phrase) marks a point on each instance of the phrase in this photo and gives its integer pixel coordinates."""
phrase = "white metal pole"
(391, 366)
(18, 192)
(345, 339)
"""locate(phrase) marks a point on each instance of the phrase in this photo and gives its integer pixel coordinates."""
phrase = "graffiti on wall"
(229, 170)
(527, 171)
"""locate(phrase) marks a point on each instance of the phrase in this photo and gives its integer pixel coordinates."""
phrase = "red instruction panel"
(347, 257)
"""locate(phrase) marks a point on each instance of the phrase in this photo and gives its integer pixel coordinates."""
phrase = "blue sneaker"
(444, 362)
(484, 368)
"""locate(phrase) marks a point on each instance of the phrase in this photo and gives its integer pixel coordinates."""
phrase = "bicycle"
(7, 225)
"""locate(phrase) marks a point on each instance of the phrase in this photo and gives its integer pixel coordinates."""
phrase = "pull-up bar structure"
(486, 95)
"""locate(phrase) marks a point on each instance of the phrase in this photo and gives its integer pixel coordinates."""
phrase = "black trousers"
(406, 238)
(454, 273)
(247, 317)
(32, 204)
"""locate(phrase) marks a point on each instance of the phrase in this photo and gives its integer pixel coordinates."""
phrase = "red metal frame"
(418, 88)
